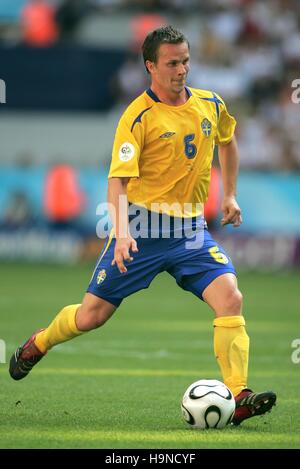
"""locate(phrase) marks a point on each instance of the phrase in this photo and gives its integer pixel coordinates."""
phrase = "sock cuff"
(229, 321)
(72, 319)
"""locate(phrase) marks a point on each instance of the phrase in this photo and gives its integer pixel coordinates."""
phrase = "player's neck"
(172, 99)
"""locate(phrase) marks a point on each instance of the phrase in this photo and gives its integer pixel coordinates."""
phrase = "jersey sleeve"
(128, 144)
(226, 126)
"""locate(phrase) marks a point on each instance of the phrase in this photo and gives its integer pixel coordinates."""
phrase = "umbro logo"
(167, 135)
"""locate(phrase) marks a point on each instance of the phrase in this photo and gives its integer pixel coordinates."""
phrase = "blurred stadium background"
(68, 68)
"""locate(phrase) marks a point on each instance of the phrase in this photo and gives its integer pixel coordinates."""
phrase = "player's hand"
(122, 252)
(231, 212)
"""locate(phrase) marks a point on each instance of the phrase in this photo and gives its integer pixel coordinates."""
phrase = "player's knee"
(233, 302)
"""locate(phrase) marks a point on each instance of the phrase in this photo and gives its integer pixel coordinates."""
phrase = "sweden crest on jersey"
(206, 127)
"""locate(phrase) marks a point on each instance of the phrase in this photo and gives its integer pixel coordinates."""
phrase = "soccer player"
(161, 164)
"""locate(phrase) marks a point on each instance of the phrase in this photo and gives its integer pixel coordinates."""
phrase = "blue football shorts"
(194, 261)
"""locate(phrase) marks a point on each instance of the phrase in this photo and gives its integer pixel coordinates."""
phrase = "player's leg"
(70, 322)
(74, 320)
(231, 342)
(210, 275)
(107, 288)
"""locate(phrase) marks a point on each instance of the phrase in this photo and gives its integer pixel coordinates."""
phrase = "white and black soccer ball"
(208, 403)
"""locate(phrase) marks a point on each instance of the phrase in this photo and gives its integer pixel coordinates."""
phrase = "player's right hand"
(122, 252)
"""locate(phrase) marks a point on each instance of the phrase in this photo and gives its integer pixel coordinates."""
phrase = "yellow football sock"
(62, 328)
(231, 344)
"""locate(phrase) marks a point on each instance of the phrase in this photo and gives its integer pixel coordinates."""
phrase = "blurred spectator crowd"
(248, 51)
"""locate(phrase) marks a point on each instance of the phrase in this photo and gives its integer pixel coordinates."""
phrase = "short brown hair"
(164, 35)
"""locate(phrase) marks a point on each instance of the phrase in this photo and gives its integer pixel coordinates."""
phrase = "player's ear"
(150, 66)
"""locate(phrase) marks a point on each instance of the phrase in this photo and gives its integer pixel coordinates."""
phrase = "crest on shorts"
(206, 127)
(101, 276)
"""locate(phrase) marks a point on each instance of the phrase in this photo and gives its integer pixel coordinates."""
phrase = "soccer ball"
(208, 403)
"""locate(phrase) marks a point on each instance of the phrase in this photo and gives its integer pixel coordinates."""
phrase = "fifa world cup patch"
(101, 276)
(126, 152)
(167, 135)
(206, 127)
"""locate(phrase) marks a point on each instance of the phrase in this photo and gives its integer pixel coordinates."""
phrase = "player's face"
(171, 68)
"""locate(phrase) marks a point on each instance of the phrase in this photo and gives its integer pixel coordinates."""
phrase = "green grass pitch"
(121, 386)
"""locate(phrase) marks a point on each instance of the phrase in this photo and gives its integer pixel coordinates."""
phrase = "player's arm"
(118, 203)
(229, 162)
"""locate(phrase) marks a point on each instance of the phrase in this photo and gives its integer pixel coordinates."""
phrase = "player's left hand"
(231, 212)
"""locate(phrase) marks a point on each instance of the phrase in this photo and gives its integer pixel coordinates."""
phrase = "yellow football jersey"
(168, 150)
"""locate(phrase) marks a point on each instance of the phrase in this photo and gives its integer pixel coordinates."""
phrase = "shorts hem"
(206, 279)
(114, 301)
